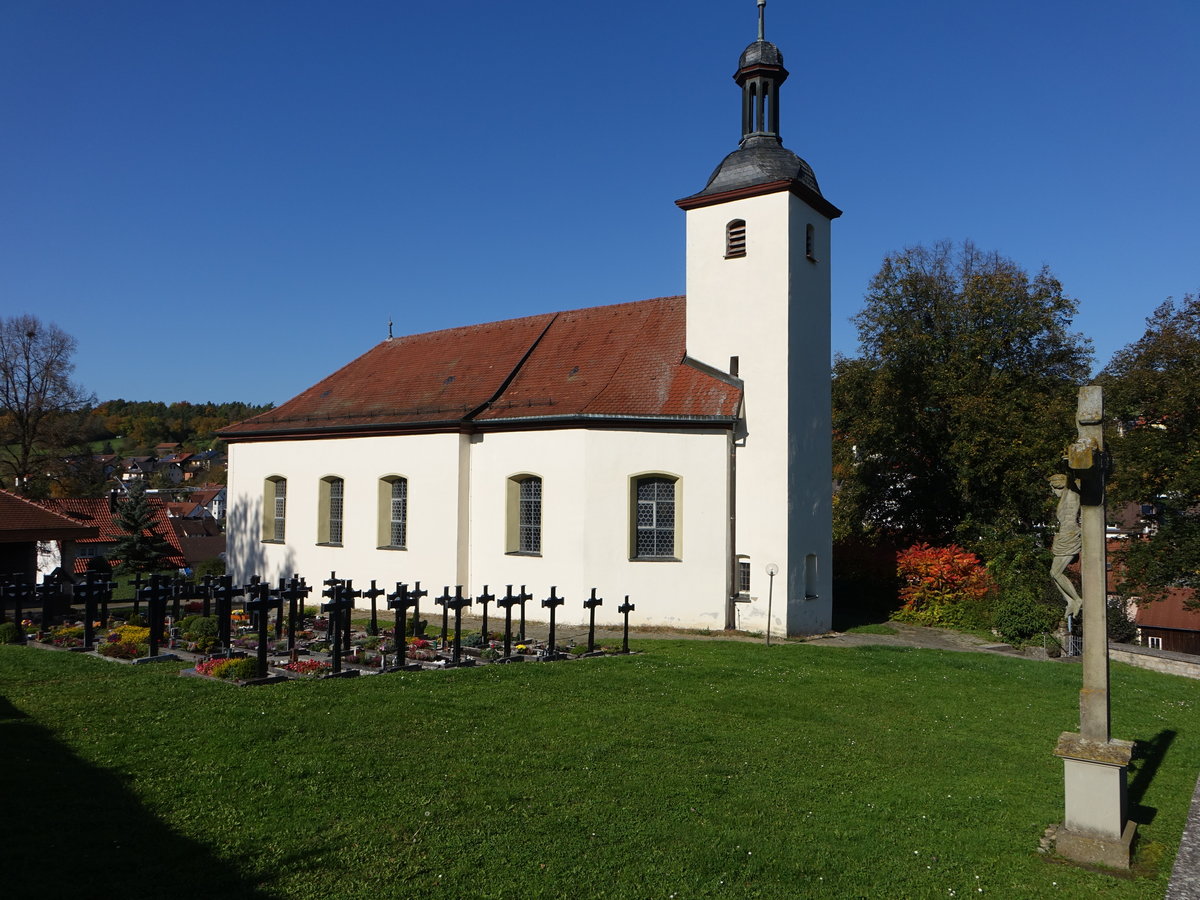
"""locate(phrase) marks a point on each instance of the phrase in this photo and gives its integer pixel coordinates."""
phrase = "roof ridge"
(513, 374)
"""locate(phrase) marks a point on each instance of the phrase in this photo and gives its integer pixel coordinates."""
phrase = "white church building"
(674, 450)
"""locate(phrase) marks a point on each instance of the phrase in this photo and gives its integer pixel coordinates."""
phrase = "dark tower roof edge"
(761, 164)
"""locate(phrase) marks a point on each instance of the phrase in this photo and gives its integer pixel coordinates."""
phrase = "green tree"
(141, 548)
(37, 397)
(1152, 391)
(954, 413)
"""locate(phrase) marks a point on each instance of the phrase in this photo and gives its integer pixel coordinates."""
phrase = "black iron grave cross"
(484, 599)
(204, 589)
(625, 609)
(456, 603)
(347, 592)
(260, 600)
(506, 603)
(295, 592)
(339, 601)
(49, 592)
(156, 594)
(137, 584)
(552, 603)
(20, 592)
(400, 601)
(443, 602)
(590, 605)
(95, 590)
(523, 598)
(223, 594)
(372, 593)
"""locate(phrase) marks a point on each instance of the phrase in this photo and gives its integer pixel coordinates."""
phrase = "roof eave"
(801, 190)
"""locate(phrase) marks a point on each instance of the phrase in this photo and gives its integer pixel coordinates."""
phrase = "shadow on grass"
(1147, 757)
(74, 829)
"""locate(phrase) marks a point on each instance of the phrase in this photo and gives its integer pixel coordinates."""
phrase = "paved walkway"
(1185, 877)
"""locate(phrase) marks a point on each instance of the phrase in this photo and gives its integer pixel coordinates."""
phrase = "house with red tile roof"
(673, 450)
(23, 525)
(99, 515)
(1170, 623)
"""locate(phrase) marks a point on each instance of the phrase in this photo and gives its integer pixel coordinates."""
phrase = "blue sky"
(228, 200)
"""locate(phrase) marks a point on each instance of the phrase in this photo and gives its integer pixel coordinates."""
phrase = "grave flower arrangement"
(240, 669)
(67, 636)
(126, 642)
(307, 668)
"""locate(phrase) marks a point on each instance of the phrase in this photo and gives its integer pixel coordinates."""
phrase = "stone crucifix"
(1096, 829)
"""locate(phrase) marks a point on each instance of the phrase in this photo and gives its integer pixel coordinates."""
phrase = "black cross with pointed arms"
(552, 603)
(625, 609)
(590, 605)
(371, 594)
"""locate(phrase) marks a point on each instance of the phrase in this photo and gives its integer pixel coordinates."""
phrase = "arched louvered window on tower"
(735, 239)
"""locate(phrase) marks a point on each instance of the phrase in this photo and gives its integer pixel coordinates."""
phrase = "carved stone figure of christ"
(1067, 542)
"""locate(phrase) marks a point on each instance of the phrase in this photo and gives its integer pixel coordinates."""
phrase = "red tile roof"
(98, 514)
(608, 362)
(23, 520)
(1170, 612)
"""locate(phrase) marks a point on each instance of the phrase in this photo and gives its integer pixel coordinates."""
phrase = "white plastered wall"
(429, 462)
(585, 517)
(770, 308)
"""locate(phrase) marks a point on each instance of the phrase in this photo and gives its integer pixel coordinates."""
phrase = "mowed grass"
(695, 769)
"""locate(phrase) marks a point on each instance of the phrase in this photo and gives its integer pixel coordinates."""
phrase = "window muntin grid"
(655, 518)
(280, 508)
(337, 493)
(399, 513)
(530, 516)
(744, 576)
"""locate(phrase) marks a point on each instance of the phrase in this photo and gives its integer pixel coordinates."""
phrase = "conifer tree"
(141, 548)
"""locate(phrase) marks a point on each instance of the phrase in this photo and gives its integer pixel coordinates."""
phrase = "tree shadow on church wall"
(246, 552)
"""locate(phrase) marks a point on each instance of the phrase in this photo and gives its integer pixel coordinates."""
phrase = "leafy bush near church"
(10, 633)
(1019, 617)
(944, 586)
(1026, 604)
(201, 631)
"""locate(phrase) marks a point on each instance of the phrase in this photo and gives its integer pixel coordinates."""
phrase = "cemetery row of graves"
(261, 633)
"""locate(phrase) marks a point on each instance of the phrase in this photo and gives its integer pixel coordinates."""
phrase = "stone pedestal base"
(1096, 829)
(1095, 850)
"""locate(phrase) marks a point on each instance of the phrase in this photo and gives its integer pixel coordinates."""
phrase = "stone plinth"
(1096, 829)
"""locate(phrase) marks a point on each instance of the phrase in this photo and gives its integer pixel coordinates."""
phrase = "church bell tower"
(758, 307)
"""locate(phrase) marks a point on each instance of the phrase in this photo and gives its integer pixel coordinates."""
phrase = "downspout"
(731, 576)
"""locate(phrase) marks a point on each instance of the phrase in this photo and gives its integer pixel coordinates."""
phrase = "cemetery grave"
(260, 633)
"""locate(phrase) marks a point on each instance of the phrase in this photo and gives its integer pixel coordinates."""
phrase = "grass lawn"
(696, 769)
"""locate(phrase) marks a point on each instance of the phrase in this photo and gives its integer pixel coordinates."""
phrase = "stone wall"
(1165, 661)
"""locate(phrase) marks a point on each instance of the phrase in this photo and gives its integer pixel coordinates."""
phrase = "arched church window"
(331, 510)
(524, 515)
(654, 515)
(393, 512)
(274, 509)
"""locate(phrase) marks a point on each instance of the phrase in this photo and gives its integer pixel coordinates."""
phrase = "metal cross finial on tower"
(762, 15)
(389, 328)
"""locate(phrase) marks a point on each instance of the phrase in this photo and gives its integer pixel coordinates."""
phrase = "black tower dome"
(761, 163)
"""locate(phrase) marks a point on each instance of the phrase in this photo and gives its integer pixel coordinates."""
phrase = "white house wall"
(585, 517)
